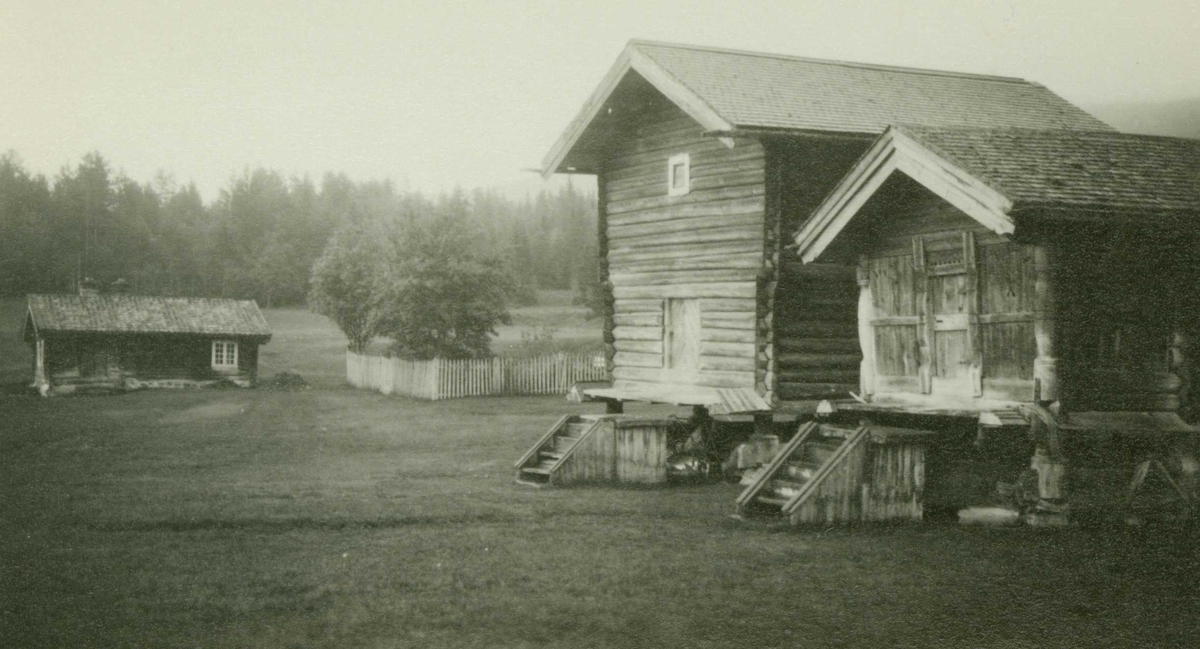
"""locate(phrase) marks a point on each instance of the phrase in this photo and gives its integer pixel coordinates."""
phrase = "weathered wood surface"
(621, 449)
(703, 248)
(127, 362)
(451, 379)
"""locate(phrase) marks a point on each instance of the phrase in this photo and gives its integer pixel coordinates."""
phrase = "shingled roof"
(1072, 169)
(145, 314)
(1000, 176)
(729, 91)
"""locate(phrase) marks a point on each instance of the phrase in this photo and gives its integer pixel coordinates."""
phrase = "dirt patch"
(286, 380)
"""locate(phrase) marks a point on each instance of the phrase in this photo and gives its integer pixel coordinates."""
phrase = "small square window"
(224, 354)
(679, 179)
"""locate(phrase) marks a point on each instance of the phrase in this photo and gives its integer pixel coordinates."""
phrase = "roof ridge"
(1057, 132)
(852, 64)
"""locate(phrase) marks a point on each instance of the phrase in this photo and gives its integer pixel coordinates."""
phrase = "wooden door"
(925, 320)
(949, 314)
(682, 339)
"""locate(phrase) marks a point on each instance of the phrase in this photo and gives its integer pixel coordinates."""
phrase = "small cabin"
(93, 342)
(1048, 273)
(707, 161)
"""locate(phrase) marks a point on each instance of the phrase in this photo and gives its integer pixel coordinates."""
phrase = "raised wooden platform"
(718, 401)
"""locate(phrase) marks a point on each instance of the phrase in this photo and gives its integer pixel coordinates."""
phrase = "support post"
(866, 331)
(614, 407)
(1045, 365)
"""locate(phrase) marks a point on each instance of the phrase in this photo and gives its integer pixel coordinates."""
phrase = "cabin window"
(224, 354)
(679, 175)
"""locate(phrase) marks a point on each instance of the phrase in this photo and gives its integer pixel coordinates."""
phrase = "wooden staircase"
(539, 464)
(797, 471)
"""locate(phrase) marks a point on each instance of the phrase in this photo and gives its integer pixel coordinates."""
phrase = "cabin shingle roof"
(754, 90)
(146, 314)
(1103, 171)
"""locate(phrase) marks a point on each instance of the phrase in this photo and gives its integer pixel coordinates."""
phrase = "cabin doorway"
(681, 344)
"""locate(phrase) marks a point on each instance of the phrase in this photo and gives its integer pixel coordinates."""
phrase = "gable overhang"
(893, 152)
(633, 60)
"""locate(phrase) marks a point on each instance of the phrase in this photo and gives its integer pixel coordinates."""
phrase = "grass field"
(338, 518)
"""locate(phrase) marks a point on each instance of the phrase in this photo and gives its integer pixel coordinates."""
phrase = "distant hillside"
(1180, 118)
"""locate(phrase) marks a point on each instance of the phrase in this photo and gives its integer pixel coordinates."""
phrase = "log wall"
(706, 246)
(809, 344)
(90, 362)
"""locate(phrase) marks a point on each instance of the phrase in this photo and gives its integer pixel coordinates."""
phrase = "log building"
(92, 342)
(707, 161)
(1004, 264)
(1046, 274)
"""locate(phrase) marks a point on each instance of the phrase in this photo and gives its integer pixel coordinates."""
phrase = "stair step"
(577, 428)
(801, 468)
(786, 489)
(542, 468)
(550, 455)
(817, 454)
(562, 442)
(767, 499)
(829, 430)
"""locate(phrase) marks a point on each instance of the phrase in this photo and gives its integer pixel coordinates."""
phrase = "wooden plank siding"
(699, 251)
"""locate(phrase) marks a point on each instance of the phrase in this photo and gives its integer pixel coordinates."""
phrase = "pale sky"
(434, 94)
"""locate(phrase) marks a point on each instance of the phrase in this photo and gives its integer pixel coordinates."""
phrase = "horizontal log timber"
(717, 305)
(686, 249)
(656, 203)
(745, 290)
(638, 333)
(817, 302)
(728, 335)
(791, 391)
(697, 216)
(638, 306)
(741, 350)
(655, 166)
(712, 235)
(701, 262)
(666, 137)
(791, 316)
(706, 378)
(837, 361)
(726, 363)
(816, 329)
(638, 319)
(639, 346)
(745, 323)
(695, 147)
(712, 176)
(675, 277)
(818, 345)
(727, 319)
(794, 297)
(818, 375)
(634, 359)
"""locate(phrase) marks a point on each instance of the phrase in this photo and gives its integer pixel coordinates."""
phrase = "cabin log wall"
(117, 362)
(811, 347)
(706, 245)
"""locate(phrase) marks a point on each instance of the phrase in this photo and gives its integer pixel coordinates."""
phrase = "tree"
(442, 294)
(344, 281)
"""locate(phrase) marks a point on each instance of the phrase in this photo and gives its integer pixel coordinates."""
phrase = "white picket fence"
(451, 379)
